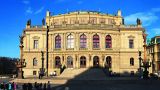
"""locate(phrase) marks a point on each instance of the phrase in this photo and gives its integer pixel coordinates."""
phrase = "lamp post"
(42, 70)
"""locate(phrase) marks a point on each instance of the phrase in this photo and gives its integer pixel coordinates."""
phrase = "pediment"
(131, 36)
(36, 37)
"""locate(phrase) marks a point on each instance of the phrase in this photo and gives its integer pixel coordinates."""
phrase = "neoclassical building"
(153, 52)
(82, 39)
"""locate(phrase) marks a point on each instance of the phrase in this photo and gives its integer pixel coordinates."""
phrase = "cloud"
(147, 18)
(39, 10)
(29, 10)
(26, 2)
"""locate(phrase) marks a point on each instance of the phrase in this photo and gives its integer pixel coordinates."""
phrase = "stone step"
(89, 73)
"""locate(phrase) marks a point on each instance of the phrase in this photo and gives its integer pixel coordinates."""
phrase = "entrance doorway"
(82, 62)
(69, 62)
(108, 62)
(95, 61)
(57, 62)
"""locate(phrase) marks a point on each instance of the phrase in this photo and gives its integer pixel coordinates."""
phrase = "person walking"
(9, 86)
(44, 86)
(48, 86)
(14, 86)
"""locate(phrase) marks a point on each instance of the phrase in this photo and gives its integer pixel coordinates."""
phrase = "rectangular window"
(131, 43)
(102, 20)
(35, 44)
(92, 20)
(131, 62)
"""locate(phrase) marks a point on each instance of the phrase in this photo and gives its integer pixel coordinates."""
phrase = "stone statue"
(43, 21)
(29, 22)
(139, 21)
(21, 39)
(122, 21)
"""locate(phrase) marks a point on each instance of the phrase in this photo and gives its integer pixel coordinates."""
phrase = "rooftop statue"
(43, 21)
(21, 39)
(29, 22)
(139, 21)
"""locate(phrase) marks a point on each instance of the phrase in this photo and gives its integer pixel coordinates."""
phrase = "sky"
(15, 13)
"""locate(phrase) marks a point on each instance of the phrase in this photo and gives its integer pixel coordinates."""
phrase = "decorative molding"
(36, 37)
(131, 36)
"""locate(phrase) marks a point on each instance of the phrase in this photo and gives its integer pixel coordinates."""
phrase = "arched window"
(57, 62)
(131, 61)
(108, 41)
(70, 41)
(96, 41)
(34, 62)
(83, 41)
(58, 41)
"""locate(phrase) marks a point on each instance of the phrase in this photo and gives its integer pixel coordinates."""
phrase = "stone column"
(64, 41)
(102, 41)
(89, 41)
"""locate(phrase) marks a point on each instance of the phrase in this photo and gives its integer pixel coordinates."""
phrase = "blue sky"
(15, 13)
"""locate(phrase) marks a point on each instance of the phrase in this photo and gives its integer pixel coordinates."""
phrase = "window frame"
(131, 43)
(58, 42)
(83, 41)
(70, 41)
(131, 61)
(35, 62)
(35, 44)
(108, 41)
(96, 41)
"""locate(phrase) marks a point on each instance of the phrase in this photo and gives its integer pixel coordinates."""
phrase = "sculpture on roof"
(21, 39)
(122, 21)
(139, 21)
(29, 22)
(43, 21)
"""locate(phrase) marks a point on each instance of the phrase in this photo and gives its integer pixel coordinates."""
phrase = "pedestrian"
(3, 86)
(9, 86)
(14, 86)
(0, 86)
(6, 85)
(40, 86)
(24, 86)
(44, 86)
(35, 85)
(48, 86)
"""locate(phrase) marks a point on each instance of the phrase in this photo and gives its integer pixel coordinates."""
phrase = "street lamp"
(42, 70)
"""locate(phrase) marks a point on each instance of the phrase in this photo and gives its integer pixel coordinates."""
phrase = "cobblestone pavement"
(110, 85)
(93, 80)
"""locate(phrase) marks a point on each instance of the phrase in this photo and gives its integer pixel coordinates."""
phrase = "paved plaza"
(94, 79)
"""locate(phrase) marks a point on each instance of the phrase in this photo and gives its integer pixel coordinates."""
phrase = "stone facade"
(153, 52)
(83, 39)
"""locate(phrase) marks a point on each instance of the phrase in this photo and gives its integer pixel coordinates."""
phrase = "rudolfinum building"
(82, 39)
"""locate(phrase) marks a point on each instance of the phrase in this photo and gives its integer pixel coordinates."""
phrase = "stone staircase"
(71, 73)
(84, 74)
